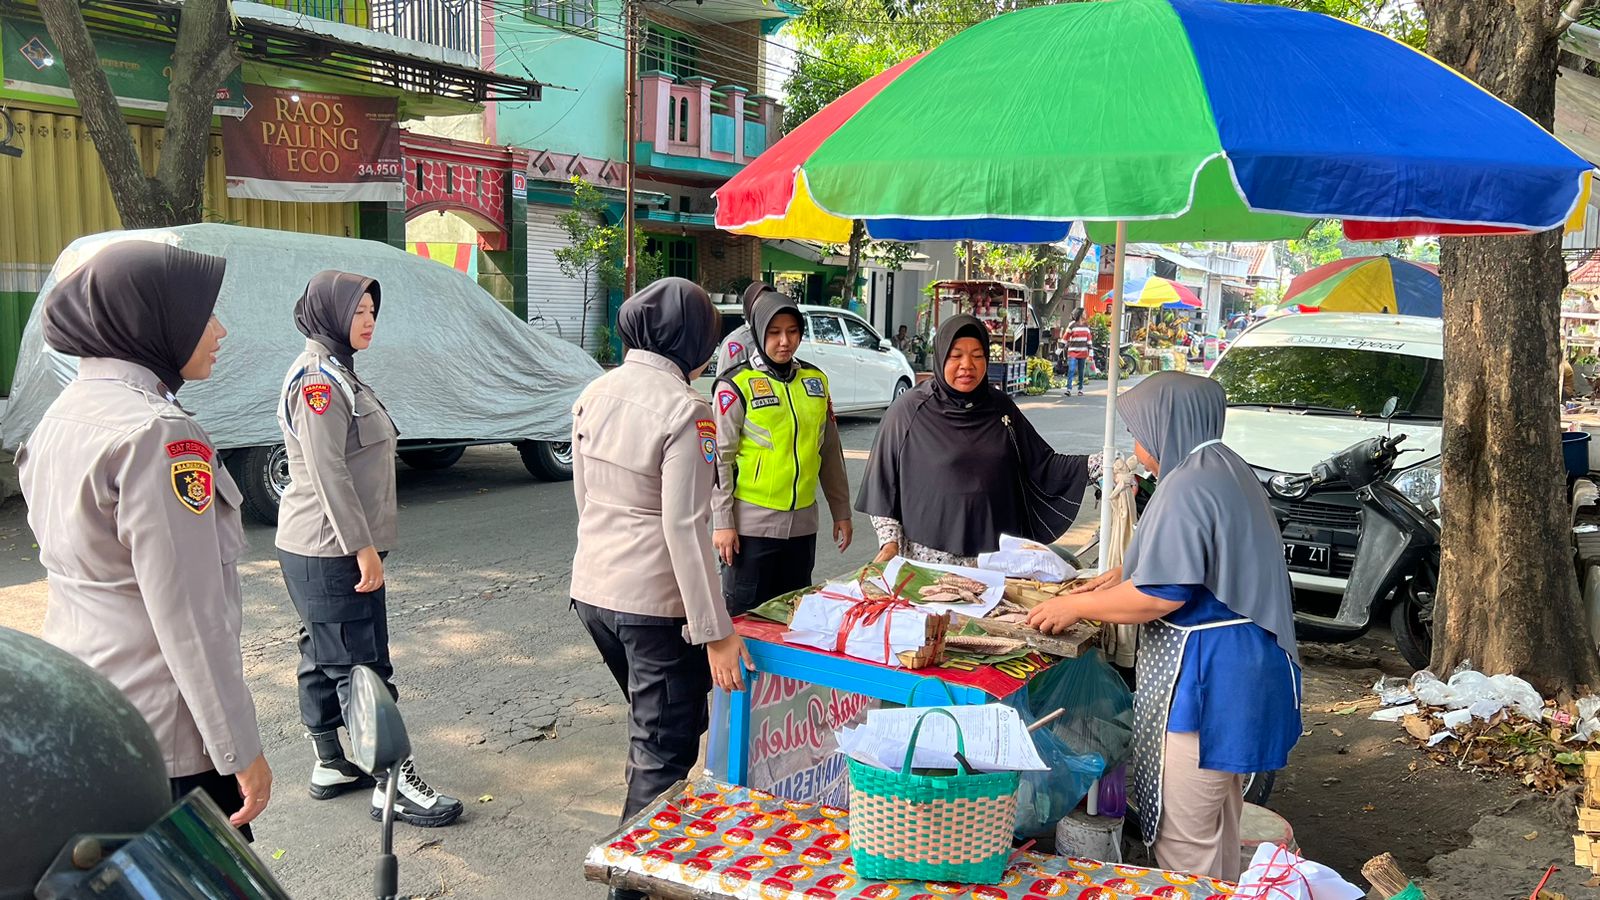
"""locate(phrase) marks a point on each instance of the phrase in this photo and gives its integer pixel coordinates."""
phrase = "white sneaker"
(415, 803)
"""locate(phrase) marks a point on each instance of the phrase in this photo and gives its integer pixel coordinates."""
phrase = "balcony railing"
(697, 118)
(451, 24)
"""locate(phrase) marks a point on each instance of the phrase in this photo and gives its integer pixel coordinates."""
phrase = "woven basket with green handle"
(931, 827)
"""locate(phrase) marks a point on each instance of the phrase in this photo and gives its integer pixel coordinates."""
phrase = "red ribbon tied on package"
(867, 612)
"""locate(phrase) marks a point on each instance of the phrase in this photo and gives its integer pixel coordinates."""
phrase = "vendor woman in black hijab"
(956, 464)
(1218, 670)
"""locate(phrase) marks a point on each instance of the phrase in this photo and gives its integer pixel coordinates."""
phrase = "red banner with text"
(307, 147)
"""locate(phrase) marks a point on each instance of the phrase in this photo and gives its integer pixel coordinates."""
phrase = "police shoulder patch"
(735, 348)
(192, 483)
(707, 430)
(725, 400)
(318, 396)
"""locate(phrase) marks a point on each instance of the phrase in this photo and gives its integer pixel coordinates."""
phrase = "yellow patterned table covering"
(723, 840)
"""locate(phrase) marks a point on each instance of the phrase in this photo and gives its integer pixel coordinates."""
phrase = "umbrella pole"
(1113, 370)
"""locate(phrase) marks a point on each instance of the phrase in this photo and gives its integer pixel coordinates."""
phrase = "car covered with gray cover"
(454, 367)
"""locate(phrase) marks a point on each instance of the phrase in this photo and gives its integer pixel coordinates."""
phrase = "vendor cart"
(1002, 307)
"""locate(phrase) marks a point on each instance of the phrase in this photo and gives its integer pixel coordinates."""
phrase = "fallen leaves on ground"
(1542, 758)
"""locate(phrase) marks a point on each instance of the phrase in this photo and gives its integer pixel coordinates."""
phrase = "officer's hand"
(726, 540)
(255, 785)
(842, 533)
(887, 552)
(371, 570)
(729, 659)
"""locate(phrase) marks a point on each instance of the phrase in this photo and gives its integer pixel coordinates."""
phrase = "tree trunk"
(1508, 598)
(203, 57)
(1051, 308)
(852, 270)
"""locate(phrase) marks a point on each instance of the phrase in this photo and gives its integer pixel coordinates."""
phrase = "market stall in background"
(1003, 308)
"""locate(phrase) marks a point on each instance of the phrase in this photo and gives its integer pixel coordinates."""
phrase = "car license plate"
(1307, 557)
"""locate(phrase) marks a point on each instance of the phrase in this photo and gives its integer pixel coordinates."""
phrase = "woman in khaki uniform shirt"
(337, 522)
(138, 525)
(643, 580)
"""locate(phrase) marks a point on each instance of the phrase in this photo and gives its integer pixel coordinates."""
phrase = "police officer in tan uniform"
(336, 523)
(643, 583)
(138, 522)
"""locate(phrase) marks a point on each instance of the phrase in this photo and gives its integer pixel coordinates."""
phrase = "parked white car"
(1303, 387)
(865, 372)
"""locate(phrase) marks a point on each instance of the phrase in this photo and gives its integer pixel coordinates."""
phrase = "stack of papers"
(996, 739)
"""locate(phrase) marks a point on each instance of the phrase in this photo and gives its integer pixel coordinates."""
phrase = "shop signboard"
(140, 71)
(309, 147)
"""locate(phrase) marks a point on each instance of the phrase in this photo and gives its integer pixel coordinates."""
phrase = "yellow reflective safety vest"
(780, 447)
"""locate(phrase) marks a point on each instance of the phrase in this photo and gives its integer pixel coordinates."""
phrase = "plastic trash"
(1485, 695)
(1078, 747)
(1455, 718)
(1393, 691)
(1588, 718)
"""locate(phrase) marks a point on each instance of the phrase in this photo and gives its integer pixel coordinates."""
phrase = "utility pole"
(630, 131)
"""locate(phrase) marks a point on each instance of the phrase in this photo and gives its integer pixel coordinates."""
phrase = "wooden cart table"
(710, 840)
(960, 686)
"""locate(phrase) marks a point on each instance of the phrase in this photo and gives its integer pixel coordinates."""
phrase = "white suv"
(1302, 387)
(865, 372)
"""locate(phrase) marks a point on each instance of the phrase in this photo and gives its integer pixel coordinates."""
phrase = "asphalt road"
(505, 698)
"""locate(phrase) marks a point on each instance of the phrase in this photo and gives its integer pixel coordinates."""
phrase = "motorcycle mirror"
(1390, 407)
(377, 733)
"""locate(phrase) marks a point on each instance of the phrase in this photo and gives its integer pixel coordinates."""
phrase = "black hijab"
(324, 312)
(767, 307)
(958, 469)
(137, 301)
(672, 317)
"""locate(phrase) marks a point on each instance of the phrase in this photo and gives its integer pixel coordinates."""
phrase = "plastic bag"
(1485, 695)
(1079, 747)
(1393, 691)
(1278, 874)
(1099, 706)
(1588, 718)
(1044, 797)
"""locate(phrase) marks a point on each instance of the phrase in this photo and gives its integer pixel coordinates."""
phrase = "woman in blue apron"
(1218, 671)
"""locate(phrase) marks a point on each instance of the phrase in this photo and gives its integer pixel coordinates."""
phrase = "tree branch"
(204, 56)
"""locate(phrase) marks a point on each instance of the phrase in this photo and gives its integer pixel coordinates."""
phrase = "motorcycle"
(1396, 568)
(1128, 362)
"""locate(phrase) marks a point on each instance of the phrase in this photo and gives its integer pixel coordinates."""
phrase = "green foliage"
(605, 351)
(1100, 329)
(1325, 243)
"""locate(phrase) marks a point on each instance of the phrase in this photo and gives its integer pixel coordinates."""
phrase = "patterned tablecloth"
(747, 844)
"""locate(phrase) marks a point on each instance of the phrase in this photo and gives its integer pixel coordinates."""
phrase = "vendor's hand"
(1054, 616)
(726, 540)
(1103, 580)
(729, 660)
(371, 566)
(887, 552)
(842, 534)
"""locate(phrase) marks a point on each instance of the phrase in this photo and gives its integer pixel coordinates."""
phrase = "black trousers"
(222, 789)
(665, 680)
(339, 629)
(765, 568)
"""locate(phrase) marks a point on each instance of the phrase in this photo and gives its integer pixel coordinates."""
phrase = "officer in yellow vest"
(776, 442)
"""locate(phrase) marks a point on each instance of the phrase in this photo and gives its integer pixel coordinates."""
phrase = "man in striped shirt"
(1078, 339)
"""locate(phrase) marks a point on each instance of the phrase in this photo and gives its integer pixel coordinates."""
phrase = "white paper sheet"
(988, 600)
(995, 736)
(1022, 558)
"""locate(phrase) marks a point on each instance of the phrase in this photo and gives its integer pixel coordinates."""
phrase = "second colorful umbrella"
(1160, 293)
(1378, 284)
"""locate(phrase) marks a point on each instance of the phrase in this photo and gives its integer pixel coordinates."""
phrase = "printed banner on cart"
(793, 750)
(307, 147)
